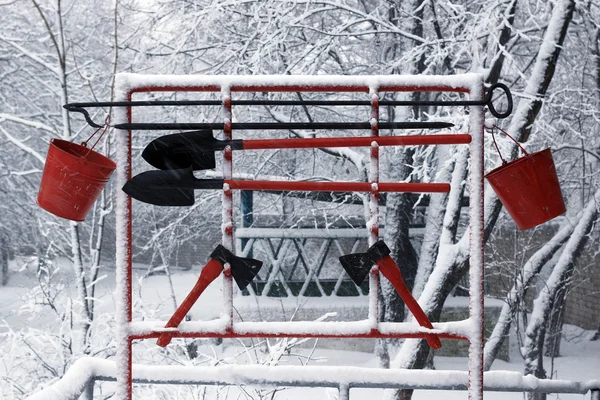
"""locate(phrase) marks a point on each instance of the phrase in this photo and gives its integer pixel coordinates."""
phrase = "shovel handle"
(390, 270)
(209, 273)
(331, 186)
(412, 140)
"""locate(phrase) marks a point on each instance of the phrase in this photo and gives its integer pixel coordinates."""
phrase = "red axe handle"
(390, 270)
(209, 273)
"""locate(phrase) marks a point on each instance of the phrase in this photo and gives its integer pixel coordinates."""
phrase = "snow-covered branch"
(26, 122)
(530, 270)
(23, 146)
(543, 70)
(29, 54)
(559, 277)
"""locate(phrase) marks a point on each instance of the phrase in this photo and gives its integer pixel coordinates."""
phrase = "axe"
(197, 148)
(243, 271)
(358, 265)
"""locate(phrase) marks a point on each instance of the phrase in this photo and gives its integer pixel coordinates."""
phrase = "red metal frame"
(232, 334)
(373, 225)
(412, 140)
(373, 86)
(338, 186)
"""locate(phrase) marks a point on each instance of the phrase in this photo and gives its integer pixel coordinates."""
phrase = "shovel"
(197, 148)
(243, 271)
(175, 187)
(358, 265)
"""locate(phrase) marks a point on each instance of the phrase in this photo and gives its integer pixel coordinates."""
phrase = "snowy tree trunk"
(58, 41)
(558, 279)
(543, 70)
(83, 313)
(505, 36)
(3, 261)
(555, 324)
(398, 217)
(530, 270)
(399, 206)
(433, 229)
(288, 164)
(165, 257)
(450, 268)
(96, 251)
(540, 372)
(596, 335)
(88, 391)
(459, 179)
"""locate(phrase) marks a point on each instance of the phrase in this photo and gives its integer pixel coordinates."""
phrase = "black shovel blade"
(161, 188)
(173, 187)
(357, 266)
(243, 270)
(182, 150)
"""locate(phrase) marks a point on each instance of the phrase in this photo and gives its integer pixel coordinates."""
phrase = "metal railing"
(80, 378)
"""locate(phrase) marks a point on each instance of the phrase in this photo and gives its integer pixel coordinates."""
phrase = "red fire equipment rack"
(470, 329)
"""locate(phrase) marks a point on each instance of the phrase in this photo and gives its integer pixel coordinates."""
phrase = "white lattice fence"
(302, 262)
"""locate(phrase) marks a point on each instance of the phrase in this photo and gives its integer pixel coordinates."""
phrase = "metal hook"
(83, 111)
(488, 100)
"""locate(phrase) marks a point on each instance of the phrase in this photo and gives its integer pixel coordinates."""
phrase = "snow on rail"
(84, 370)
(341, 83)
(218, 328)
(292, 233)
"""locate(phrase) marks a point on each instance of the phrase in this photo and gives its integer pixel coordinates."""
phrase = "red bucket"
(528, 188)
(73, 178)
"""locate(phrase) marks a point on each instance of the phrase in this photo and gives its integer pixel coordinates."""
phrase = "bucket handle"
(104, 128)
(511, 138)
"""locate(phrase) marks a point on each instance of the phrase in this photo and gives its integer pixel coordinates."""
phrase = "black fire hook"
(487, 101)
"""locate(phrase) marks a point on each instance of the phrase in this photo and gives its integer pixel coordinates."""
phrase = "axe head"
(358, 265)
(182, 150)
(243, 270)
(378, 251)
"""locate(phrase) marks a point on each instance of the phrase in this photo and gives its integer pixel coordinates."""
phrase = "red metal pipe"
(373, 334)
(298, 88)
(227, 205)
(374, 310)
(413, 140)
(337, 186)
(128, 275)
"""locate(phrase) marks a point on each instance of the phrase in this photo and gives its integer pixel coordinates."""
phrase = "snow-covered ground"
(580, 358)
